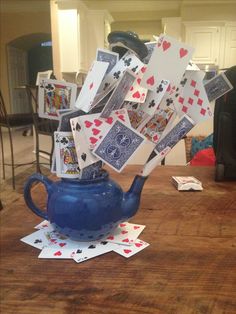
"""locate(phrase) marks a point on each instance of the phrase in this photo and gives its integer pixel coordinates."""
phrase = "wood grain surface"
(189, 267)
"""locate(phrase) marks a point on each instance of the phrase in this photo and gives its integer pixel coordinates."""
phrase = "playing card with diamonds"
(126, 233)
(117, 98)
(84, 155)
(137, 93)
(217, 87)
(54, 95)
(193, 99)
(91, 85)
(128, 61)
(66, 158)
(131, 250)
(118, 145)
(176, 134)
(154, 97)
(105, 55)
(94, 127)
(168, 62)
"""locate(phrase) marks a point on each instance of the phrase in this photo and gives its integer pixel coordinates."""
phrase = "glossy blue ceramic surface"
(86, 209)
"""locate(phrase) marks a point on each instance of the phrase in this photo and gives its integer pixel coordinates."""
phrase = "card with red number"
(131, 250)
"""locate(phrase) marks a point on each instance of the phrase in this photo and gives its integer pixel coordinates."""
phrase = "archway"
(26, 56)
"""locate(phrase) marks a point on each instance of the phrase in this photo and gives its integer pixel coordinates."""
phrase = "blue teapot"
(86, 210)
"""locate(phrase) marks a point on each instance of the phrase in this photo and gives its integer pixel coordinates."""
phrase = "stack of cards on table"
(185, 183)
(125, 103)
(53, 245)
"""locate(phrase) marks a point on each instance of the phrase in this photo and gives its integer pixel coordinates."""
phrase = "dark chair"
(10, 121)
(42, 126)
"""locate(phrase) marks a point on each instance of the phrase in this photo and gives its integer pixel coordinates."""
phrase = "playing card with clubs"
(128, 61)
(217, 87)
(91, 85)
(136, 92)
(66, 158)
(131, 250)
(168, 62)
(176, 134)
(193, 99)
(192, 66)
(94, 127)
(105, 55)
(37, 239)
(153, 128)
(136, 114)
(95, 249)
(126, 233)
(54, 95)
(154, 97)
(45, 224)
(118, 145)
(84, 155)
(117, 97)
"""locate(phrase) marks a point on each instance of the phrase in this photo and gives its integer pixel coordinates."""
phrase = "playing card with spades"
(118, 145)
(66, 158)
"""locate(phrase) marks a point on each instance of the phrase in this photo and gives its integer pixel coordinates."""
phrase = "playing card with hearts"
(54, 95)
(168, 62)
(93, 126)
(137, 93)
(118, 145)
(126, 233)
(45, 224)
(117, 98)
(193, 99)
(131, 250)
(66, 158)
(91, 85)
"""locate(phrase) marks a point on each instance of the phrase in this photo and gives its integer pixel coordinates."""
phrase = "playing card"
(117, 98)
(37, 239)
(153, 128)
(136, 92)
(168, 62)
(128, 61)
(84, 155)
(91, 85)
(150, 46)
(154, 97)
(217, 86)
(94, 127)
(57, 253)
(54, 95)
(64, 120)
(93, 250)
(193, 99)
(126, 233)
(66, 158)
(91, 172)
(192, 66)
(129, 251)
(45, 224)
(118, 145)
(186, 183)
(176, 134)
(107, 56)
(136, 114)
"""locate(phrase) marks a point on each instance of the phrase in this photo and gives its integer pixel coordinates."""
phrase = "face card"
(217, 87)
(91, 85)
(136, 92)
(193, 101)
(92, 250)
(154, 97)
(84, 155)
(126, 233)
(155, 126)
(117, 98)
(129, 251)
(136, 114)
(66, 158)
(94, 127)
(128, 61)
(118, 145)
(54, 95)
(168, 61)
(107, 56)
(176, 134)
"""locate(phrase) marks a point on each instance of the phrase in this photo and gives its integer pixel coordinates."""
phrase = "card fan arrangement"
(53, 245)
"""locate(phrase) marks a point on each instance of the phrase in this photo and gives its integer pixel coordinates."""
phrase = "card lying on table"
(187, 183)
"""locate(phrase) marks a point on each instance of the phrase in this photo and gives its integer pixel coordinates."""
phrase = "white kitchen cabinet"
(230, 46)
(207, 42)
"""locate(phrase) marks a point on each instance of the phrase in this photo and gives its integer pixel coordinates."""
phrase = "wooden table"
(189, 267)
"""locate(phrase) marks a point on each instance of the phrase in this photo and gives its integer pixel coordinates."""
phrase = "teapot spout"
(131, 199)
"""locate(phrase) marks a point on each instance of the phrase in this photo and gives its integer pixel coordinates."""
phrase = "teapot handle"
(36, 177)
